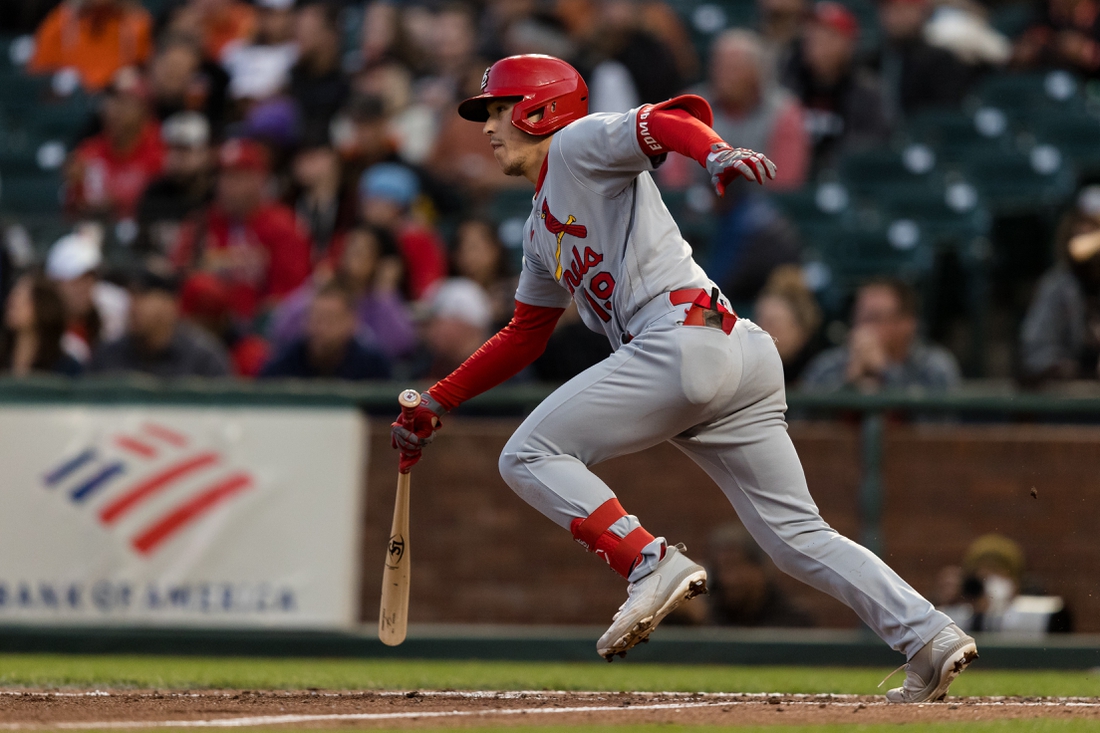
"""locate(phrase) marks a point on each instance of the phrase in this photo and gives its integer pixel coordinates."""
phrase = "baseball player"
(685, 369)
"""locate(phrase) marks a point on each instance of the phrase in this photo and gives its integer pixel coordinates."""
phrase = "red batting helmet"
(541, 82)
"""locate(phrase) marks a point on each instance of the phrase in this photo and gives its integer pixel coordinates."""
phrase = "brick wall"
(480, 554)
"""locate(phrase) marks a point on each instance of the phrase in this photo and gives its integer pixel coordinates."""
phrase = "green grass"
(43, 670)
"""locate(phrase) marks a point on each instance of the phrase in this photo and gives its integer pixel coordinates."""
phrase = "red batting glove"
(415, 429)
(725, 163)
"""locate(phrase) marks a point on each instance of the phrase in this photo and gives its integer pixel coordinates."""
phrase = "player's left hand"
(726, 163)
(415, 429)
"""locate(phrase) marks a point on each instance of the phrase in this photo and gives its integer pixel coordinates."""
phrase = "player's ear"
(536, 116)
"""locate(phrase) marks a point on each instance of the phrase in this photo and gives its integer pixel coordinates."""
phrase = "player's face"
(516, 151)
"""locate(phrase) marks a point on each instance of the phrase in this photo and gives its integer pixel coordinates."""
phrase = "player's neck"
(533, 172)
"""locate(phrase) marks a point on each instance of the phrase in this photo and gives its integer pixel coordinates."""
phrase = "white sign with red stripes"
(219, 516)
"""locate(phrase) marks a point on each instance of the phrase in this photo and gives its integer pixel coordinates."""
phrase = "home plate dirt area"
(121, 709)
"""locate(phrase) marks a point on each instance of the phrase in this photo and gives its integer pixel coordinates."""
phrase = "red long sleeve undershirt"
(675, 130)
(500, 358)
(524, 339)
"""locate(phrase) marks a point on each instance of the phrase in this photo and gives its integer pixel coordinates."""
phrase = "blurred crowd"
(283, 188)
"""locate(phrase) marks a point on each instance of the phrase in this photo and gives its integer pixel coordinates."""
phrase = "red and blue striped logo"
(119, 477)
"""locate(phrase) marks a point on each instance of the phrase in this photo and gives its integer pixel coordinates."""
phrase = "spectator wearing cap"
(751, 108)
(843, 103)
(317, 83)
(386, 195)
(204, 301)
(34, 323)
(914, 73)
(94, 37)
(218, 23)
(181, 79)
(248, 240)
(186, 187)
(460, 316)
(325, 207)
(157, 341)
(95, 310)
(329, 348)
(1060, 336)
(260, 68)
(108, 173)
(370, 269)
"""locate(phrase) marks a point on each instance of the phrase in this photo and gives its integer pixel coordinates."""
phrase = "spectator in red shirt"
(386, 194)
(248, 240)
(109, 172)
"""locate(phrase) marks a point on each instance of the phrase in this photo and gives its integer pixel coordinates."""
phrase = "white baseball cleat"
(675, 579)
(932, 670)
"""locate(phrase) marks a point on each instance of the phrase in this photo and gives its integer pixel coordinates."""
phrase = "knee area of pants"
(509, 465)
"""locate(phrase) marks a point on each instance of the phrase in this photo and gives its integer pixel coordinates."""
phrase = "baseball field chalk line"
(244, 722)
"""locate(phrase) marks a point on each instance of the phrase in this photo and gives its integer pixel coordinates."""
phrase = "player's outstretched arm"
(500, 358)
(670, 126)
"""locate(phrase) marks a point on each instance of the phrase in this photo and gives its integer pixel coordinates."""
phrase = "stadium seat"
(816, 208)
(953, 133)
(22, 154)
(1024, 97)
(843, 257)
(63, 119)
(1076, 136)
(43, 229)
(950, 217)
(1019, 181)
(15, 51)
(29, 194)
(20, 93)
(878, 172)
(1012, 19)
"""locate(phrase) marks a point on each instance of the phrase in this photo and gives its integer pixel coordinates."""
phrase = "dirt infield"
(97, 709)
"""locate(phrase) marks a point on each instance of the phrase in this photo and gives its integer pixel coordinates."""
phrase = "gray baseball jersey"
(600, 230)
(601, 233)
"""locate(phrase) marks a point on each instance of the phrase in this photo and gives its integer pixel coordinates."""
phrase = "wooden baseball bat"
(393, 616)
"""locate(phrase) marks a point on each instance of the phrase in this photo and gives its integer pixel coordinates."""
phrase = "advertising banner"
(180, 516)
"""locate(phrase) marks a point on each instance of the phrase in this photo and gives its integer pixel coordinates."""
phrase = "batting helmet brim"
(476, 109)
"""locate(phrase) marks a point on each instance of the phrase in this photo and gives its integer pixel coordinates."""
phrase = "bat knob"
(409, 399)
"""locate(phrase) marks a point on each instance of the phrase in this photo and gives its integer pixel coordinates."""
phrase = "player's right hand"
(725, 163)
(415, 429)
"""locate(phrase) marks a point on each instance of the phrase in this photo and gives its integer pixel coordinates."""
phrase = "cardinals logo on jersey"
(560, 229)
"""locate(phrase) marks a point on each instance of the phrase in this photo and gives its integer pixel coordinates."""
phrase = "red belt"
(701, 301)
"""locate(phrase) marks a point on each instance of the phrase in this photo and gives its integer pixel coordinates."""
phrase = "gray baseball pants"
(720, 399)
